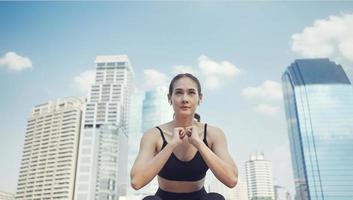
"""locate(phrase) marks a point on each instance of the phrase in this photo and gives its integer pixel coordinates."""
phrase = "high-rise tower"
(102, 162)
(259, 178)
(50, 150)
(318, 99)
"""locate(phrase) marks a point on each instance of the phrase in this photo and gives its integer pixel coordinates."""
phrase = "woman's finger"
(181, 134)
(189, 131)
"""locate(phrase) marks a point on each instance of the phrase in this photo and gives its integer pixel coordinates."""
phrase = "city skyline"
(250, 44)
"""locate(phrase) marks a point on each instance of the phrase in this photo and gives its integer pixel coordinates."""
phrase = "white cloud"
(268, 91)
(84, 81)
(216, 74)
(213, 82)
(265, 95)
(154, 79)
(15, 62)
(178, 69)
(267, 109)
(332, 38)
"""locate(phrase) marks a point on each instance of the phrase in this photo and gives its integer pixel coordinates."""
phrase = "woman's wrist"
(198, 144)
(172, 145)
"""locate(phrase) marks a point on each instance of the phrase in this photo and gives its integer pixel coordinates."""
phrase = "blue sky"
(53, 44)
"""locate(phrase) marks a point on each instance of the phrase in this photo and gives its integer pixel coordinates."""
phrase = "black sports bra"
(178, 170)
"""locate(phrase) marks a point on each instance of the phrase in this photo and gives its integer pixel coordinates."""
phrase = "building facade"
(156, 109)
(6, 196)
(103, 151)
(259, 178)
(318, 99)
(49, 156)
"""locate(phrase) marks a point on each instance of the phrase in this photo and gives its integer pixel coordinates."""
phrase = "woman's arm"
(218, 159)
(148, 162)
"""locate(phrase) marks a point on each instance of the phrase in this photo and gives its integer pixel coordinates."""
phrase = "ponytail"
(197, 117)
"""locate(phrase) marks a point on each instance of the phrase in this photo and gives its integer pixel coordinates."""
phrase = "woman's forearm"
(224, 171)
(145, 172)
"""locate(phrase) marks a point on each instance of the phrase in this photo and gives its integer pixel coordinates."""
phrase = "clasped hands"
(186, 135)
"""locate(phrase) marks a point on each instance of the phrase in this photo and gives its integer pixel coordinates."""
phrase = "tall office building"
(259, 178)
(155, 111)
(102, 161)
(6, 196)
(50, 150)
(318, 99)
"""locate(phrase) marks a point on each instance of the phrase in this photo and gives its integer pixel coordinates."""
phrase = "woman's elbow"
(135, 184)
(232, 183)
(134, 181)
(234, 180)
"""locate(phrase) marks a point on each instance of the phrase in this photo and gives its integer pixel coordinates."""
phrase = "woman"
(181, 151)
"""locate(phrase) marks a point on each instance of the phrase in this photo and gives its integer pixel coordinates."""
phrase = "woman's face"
(185, 96)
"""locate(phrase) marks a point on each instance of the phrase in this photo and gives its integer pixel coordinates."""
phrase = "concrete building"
(6, 196)
(259, 178)
(49, 156)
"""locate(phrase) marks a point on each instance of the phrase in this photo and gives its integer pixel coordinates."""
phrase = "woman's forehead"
(185, 83)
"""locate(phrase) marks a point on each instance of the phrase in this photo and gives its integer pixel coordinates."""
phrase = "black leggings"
(198, 195)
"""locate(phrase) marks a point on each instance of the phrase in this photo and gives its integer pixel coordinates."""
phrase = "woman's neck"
(183, 121)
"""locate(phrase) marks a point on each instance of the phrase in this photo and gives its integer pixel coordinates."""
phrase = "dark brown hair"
(192, 77)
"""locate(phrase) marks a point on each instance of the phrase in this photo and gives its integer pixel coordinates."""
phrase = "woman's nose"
(185, 98)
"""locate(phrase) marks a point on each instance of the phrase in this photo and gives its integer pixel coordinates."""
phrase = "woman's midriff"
(180, 186)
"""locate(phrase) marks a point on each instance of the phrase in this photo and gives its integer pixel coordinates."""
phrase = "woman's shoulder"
(215, 135)
(155, 132)
(164, 125)
(151, 134)
(214, 129)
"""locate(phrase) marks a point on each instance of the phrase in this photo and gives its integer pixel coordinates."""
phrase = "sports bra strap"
(164, 140)
(160, 130)
(205, 134)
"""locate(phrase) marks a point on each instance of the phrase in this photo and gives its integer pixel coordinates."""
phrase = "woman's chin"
(185, 113)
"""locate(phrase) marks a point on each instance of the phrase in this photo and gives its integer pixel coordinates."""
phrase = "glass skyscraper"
(318, 99)
(156, 109)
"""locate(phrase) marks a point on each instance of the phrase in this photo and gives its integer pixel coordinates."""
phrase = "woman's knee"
(212, 196)
(152, 197)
